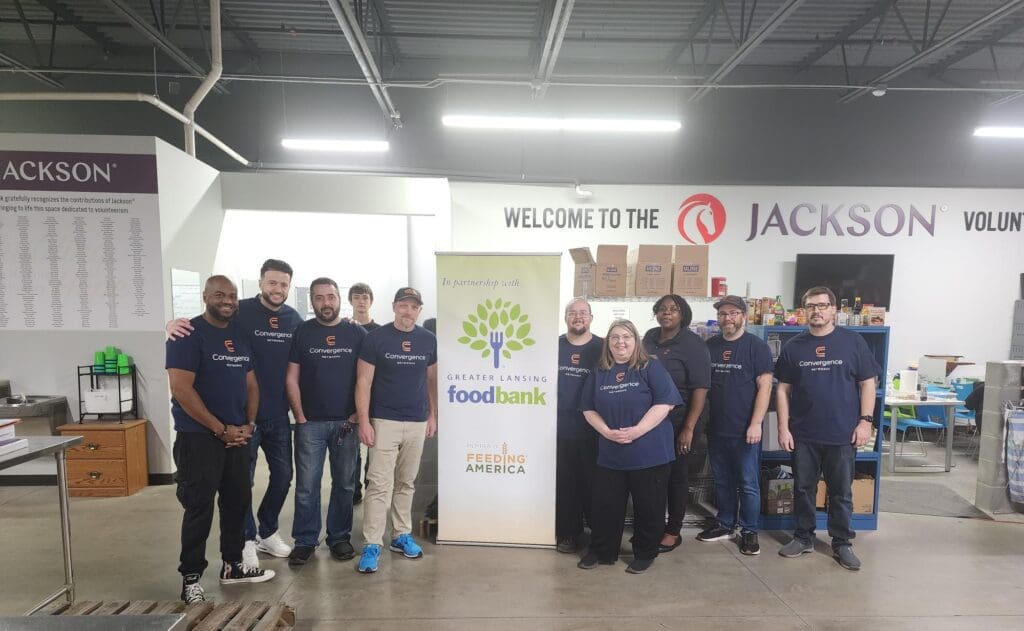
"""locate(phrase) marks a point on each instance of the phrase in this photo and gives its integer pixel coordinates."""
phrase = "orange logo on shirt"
(574, 359)
(819, 351)
(619, 377)
(273, 322)
(406, 346)
(228, 344)
(727, 355)
(330, 340)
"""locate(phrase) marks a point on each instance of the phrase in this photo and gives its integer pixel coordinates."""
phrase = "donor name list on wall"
(79, 241)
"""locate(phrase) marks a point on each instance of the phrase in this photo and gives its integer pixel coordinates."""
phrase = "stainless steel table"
(950, 406)
(39, 446)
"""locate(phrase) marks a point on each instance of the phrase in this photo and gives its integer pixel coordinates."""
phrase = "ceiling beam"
(971, 48)
(955, 38)
(709, 8)
(122, 8)
(747, 47)
(876, 12)
(384, 20)
(107, 44)
(557, 26)
(42, 78)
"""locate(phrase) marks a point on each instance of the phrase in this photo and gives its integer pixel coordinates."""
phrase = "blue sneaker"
(407, 546)
(368, 560)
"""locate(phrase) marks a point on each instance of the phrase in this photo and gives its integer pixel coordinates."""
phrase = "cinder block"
(992, 472)
(992, 423)
(994, 499)
(1005, 373)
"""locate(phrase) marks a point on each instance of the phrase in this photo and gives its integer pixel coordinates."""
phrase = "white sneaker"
(274, 546)
(249, 556)
(192, 593)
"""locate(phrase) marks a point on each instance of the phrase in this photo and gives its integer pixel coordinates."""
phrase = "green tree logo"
(497, 329)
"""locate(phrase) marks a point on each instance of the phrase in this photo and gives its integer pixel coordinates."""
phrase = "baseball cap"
(408, 293)
(734, 301)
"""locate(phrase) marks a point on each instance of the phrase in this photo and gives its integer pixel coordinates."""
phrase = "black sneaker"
(846, 558)
(343, 551)
(716, 533)
(566, 546)
(241, 573)
(748, 543)
(589, 561)
(300, 555)
(639, 566)
(191, 591)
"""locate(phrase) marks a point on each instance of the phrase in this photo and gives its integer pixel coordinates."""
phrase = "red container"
(718, 286)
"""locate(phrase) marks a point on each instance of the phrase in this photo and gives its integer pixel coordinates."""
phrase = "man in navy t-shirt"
(321, 390)
(360, 296)
(825, 403)
(214, 398)
(741, 387)
(396, 401)
(268, 324)
(578, 352)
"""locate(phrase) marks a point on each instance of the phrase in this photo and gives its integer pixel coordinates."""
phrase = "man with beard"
(214, 398)
(321, 389)
(741, 387)
(268, 324)
(396, 402)
(576, 446)
(825, 403)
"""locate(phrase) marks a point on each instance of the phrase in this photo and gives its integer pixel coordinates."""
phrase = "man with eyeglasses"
(741, 386)
(825, 402)
(576, 446)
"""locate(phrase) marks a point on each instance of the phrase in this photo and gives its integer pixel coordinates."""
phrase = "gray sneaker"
(846, 558)
(796, 547)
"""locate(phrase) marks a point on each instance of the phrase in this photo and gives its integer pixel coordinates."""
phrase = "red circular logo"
(701, 218)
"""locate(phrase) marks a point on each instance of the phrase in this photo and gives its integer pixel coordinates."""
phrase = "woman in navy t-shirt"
(625, 400)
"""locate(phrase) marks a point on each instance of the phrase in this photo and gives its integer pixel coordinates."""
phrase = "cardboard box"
(610, 272)
(690, 270)
(777, 495)
(583, 280)
(650, 271)
(863, 494)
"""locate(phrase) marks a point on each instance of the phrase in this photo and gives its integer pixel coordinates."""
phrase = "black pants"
(611, 489)
(836, 464)
(206, 468)
(574, 473)
(678, 488)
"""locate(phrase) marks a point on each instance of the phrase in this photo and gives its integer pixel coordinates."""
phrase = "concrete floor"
(919, 572)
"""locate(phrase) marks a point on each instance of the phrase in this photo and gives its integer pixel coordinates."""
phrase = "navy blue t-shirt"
(326, 356)
(575, 363)
(735, 367)
(220, 359)
(270, 336)
(622, 396)
(824, 373)
(400, 360)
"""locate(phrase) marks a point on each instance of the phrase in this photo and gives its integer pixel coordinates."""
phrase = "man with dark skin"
(214, 399)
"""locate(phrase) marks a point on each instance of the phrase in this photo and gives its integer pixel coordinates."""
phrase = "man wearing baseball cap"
(396, 405)
(741, 386)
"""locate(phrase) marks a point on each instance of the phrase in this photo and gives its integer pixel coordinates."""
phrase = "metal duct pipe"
(125, 96)
(216, 68)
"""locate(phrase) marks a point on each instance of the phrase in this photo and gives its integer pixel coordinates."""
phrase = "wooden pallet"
(205, 616)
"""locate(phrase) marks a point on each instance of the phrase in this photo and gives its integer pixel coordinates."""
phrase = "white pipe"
(216, 68)
(125, 96)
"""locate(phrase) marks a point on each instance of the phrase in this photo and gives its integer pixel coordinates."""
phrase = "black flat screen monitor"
(848, 275)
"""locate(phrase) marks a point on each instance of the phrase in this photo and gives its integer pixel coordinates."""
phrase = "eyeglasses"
(620, 338)
(818, 306)
(578, 314)
(729, 314)
(667, 310)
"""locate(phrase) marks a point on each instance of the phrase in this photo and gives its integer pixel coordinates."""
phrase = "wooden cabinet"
(110, 462)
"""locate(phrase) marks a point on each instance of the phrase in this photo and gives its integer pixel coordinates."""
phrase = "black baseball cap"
(734, 301)
(408, 293)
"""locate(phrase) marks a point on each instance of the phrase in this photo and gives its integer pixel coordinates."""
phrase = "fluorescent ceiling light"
(561, 124)
(312, 144)
(999, 132)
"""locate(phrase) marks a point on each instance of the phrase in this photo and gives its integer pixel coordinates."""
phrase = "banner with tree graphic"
(497, 334)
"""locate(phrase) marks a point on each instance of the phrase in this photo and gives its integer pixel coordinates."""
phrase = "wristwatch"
(866, 417)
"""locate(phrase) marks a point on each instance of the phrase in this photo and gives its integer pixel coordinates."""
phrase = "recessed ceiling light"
(532, 123)
(314, 144)
(999, 132)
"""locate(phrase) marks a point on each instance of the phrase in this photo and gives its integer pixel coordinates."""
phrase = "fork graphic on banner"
(497, 341)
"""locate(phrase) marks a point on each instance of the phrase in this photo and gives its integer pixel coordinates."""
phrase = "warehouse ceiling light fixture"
(999, 132)
(536, 123)
(313, 144)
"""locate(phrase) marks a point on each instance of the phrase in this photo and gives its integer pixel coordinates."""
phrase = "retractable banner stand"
(497, 332)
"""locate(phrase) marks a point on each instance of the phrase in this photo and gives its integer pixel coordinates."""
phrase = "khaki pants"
(394, 463)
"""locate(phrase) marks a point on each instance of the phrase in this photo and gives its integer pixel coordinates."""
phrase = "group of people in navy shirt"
(235, 373)
(643, 398)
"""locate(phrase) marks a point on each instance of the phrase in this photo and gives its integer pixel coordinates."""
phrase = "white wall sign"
(79, 241)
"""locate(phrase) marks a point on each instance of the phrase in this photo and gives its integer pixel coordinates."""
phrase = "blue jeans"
(274, 435)
(735, 465)
(313, 441)
(835, 463)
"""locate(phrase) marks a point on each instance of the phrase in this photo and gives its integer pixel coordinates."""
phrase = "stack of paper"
(8, 440)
